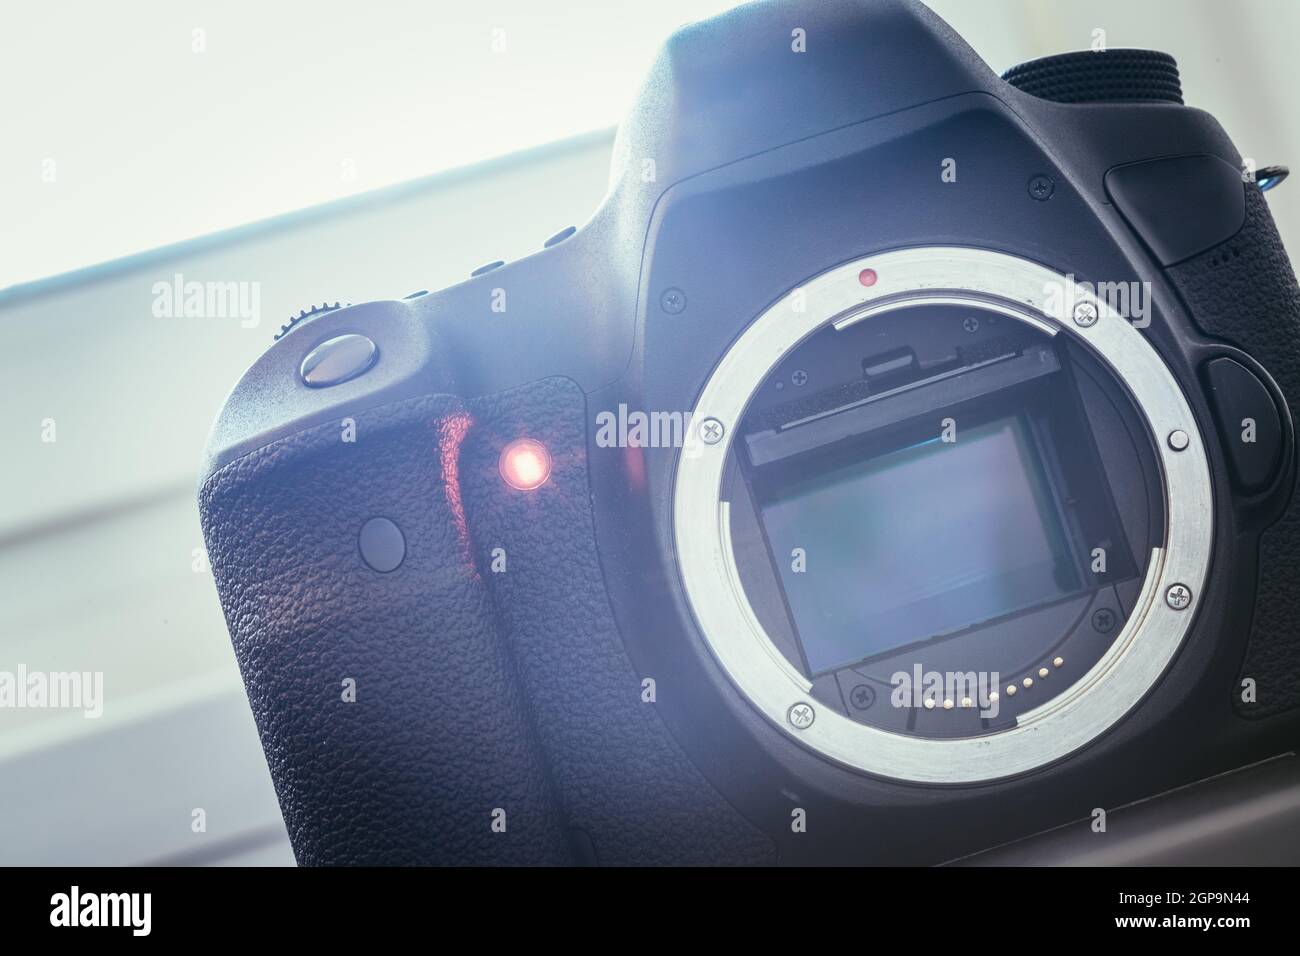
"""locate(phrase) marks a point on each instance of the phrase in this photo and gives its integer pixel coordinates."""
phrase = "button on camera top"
(338, 360)
(559, 237)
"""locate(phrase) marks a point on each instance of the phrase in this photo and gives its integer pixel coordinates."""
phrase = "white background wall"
(154, 143)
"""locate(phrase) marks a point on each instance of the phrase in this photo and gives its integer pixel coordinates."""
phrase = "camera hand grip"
(388, 707)
(1244, 291)
(629, 794)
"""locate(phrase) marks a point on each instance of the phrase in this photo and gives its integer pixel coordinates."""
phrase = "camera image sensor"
(923, 541)
(937, 494)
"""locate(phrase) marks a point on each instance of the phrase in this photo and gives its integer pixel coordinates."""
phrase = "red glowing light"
(525, 464)
(867, 277)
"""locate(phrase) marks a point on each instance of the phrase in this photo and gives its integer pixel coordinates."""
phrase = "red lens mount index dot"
(867, 277)
(525, 464)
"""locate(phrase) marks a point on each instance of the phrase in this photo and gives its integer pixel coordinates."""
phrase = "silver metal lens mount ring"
(1050, 302)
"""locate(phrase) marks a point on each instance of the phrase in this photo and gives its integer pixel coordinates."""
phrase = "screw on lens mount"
(802, 715)
(1086, 315)
(1179, 596)
(711, 431)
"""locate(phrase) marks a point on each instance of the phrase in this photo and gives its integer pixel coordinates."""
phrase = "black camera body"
(512, 569)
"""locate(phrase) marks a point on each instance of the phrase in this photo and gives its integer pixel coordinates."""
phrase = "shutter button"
(338, 360)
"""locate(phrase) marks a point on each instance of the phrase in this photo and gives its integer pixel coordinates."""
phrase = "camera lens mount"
(1035, 298)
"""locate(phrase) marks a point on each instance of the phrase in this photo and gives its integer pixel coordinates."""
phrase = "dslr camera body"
(898, 464)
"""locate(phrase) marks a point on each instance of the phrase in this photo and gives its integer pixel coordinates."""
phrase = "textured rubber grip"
(505, 687)
(1244, 291)
(437, 746)
(630, 795)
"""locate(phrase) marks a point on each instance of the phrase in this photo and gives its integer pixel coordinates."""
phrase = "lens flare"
(525, 464)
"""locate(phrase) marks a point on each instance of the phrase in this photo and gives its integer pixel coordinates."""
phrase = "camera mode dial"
(304, 315)
(1109, 76)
